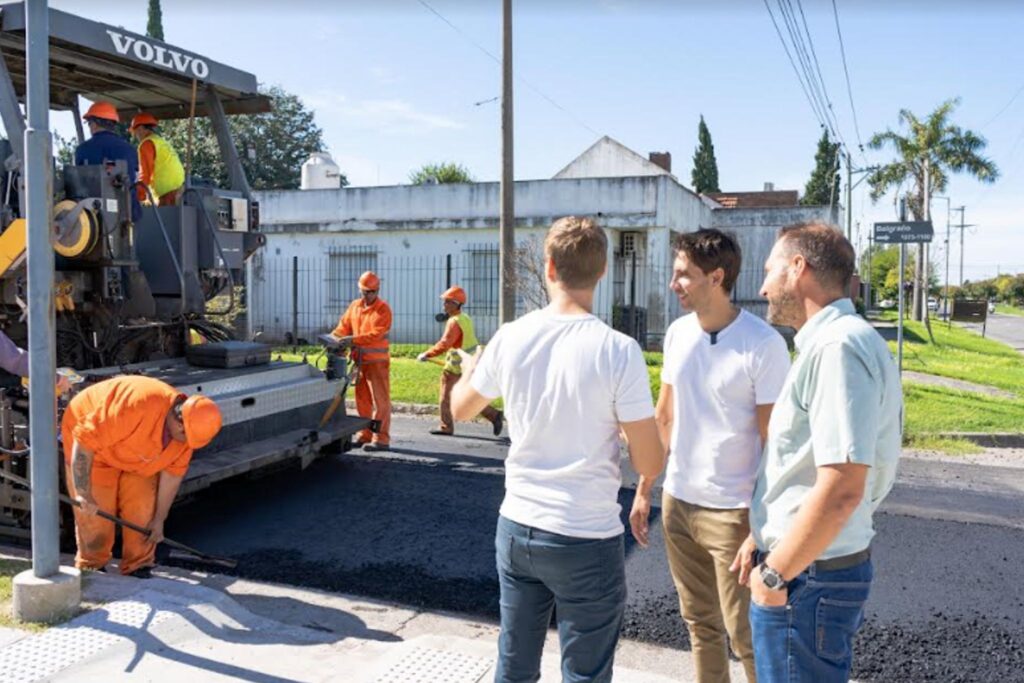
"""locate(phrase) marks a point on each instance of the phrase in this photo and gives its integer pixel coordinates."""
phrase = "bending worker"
(458, 334)
(105, 145)
(160, 168)
(128, 442)
(365, 326)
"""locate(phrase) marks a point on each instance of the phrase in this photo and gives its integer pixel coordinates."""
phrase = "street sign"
(904, 232)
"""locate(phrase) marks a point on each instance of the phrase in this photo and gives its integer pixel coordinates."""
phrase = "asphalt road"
(417, 525)
(1008, 329)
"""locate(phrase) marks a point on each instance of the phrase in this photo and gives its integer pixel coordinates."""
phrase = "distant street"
(1008, 329)
(417, 527)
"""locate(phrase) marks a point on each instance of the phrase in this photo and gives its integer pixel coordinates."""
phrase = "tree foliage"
(440, 174)
(155, 22)
(823, 187)
(705, 166)
(272, 146)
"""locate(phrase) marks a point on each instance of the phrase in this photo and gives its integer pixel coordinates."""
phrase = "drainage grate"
(43, 655)
(426, 665)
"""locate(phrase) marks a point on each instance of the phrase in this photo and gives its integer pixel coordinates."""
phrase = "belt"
(833, 563)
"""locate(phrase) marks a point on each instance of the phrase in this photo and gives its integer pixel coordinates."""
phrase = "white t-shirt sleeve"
(633, 390)
(770, 366)
(485, 377)
(667, 372)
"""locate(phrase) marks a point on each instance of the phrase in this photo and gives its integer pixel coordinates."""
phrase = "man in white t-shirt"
(723, 369)
(569, 383)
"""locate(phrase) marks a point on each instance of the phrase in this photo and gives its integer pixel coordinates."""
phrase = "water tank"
(319, 172)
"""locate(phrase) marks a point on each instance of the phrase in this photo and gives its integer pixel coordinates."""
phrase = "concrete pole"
(924, 248)
(46, 591)
(506, 229)
(849, 197)
(962, 226)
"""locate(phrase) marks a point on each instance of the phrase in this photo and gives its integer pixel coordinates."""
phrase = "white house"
(420, 239)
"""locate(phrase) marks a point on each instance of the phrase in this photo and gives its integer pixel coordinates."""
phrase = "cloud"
(393, 116)
(383, 75)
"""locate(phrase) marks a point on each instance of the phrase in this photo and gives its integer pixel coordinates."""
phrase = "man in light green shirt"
(830, 458)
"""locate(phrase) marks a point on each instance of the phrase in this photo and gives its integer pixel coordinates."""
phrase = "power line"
(1003, 110)
(497, 59)
(817, 69)
(792, 63)
(849, 88)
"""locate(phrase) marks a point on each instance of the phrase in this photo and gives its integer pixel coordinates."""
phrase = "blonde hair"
(578, 248)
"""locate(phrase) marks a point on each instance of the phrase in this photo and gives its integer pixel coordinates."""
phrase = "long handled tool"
(225, 562)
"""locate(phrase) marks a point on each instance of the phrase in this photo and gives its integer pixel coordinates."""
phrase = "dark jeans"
(810, 638)
(582, 579)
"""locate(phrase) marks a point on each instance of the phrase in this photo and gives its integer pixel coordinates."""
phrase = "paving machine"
(135, 296)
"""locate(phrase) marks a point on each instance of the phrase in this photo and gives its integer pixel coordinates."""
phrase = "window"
(344, 266)
(482, 279)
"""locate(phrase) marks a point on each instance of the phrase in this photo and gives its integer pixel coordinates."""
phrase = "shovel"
(225, 562)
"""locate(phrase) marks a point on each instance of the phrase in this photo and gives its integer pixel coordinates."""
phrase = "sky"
(396, 84)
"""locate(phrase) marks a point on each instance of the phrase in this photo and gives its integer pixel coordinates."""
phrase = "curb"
(989, 440)
(401, 408)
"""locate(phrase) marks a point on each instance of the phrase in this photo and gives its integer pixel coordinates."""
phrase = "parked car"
(991, 306)
(887, 303)
(933, 304)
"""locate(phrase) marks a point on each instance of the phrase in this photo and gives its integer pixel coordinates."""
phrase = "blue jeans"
(810, 638)
(582, 579)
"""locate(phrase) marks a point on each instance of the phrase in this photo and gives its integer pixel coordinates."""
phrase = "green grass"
(931, 410)
(1007, 309)
(8, 570)
(927, 442)
(960, 354)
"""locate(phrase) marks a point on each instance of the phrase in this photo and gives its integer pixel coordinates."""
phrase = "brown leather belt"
(833, 563)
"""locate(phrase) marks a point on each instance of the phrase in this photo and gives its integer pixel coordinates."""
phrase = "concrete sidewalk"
(199, 627)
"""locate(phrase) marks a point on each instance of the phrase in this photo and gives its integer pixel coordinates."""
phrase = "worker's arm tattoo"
(81, 465)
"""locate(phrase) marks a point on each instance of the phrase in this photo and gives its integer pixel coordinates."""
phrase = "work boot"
(373, 447)
(143, 573)
(499, 422)
(437, 431)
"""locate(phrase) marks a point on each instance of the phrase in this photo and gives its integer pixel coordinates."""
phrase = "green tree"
(823, 187)
(440, 174)
(944, 148)
(155, 24)
(705, 167)
(272, 146)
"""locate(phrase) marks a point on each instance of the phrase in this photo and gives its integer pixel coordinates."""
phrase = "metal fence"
(295, 298)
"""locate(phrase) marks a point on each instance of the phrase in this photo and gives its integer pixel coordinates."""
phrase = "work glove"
(422, 357)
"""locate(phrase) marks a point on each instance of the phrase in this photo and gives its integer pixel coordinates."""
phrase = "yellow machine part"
(12, 245)
(81, 237)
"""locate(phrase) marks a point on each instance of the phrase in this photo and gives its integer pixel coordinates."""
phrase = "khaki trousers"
(701, 543)
(448, 382)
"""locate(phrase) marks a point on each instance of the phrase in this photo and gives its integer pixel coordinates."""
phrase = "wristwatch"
(772, 579)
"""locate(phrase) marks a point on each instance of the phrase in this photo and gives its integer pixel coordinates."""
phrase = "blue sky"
(394, 87)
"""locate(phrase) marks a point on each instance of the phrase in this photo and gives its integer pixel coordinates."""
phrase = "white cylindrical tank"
(319, 172)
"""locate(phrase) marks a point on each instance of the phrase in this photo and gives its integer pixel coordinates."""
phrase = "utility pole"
(46, 590)
(849, 197)
(963, 226)
(506, 229)
(922, 249)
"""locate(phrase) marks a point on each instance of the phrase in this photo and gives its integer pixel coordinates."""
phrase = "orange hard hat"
(455, 294)
(369, 281)
(143, 119)
(102, 110)
(202, 420)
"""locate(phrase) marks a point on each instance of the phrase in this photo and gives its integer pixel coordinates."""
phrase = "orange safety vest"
(369, 327)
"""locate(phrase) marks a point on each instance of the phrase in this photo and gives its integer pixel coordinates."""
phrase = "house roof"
(756, 200)
(647, 166)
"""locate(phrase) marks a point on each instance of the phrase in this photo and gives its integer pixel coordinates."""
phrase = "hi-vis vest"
(168, 173)
(453, 361)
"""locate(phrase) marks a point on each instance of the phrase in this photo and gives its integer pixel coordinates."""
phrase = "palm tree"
(931, 148)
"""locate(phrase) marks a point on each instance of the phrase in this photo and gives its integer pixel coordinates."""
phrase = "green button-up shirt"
(841, 402)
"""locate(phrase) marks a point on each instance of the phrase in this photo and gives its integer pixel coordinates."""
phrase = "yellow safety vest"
(168, 173)
(453, 361)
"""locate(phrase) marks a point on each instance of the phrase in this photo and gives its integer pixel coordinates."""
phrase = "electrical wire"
(849, 87)
(497, 59)
(792, 63)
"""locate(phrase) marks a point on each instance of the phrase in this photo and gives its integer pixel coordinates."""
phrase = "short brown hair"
(828, 253)
(578, 248)
(711, 249)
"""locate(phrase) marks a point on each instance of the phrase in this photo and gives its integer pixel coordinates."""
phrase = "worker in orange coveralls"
(458, 334)
(128, 442)
(365, 325)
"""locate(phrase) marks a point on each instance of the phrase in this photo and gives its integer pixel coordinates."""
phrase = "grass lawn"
(8, 570)
(960, 354)
(1007, 309)
(930, 410)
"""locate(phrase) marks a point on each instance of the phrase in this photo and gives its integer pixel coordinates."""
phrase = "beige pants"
(701, 544)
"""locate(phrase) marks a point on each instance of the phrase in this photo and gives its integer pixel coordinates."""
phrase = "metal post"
(79, 130)
(506, 269)
(849, 197)
(42, 355)
(295, 299)
(923, 250)
(10, 112)
(228, 152)
(871, 256)
(448, 271)
(903, 263)
(962, 226)
(945, 299)
(633, 317)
